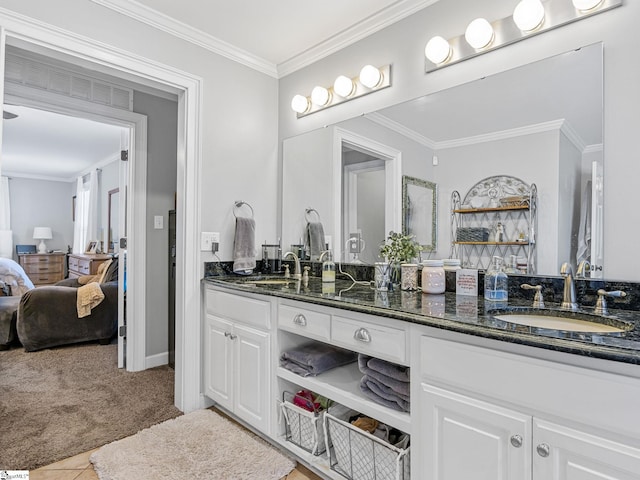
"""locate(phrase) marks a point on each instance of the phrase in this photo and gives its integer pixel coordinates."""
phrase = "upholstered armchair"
(48, 315)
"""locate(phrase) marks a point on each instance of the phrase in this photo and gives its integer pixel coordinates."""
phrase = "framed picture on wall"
(91, 247)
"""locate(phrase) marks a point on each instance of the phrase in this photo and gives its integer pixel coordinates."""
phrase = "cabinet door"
(562, 453)
(466, 438)
(251, 375)
(218, 360)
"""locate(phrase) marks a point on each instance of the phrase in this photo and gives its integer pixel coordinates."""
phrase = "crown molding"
(169, 25)
(369, 26)
(561, 125)
(401, 129)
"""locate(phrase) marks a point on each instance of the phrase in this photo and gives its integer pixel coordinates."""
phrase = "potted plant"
(399, 248)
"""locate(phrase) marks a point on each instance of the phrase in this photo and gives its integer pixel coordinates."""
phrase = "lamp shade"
(42, 233)
(437, 50)
(343, 86)
(584, 5)
(320, 96)
(300, 104)
(370, 76)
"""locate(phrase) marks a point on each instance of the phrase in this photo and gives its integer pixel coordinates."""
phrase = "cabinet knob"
(300, 319)
(516, 441)
(362, 335)
(232, 336)
(543, 450)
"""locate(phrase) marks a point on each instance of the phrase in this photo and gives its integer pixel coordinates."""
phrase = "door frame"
(188, 87)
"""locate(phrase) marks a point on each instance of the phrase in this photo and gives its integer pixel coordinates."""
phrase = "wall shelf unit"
(498, 216)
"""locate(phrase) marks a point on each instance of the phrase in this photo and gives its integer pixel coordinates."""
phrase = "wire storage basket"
(304, 428)
(359, 455)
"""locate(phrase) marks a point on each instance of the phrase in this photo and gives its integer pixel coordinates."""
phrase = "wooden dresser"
(43, 268)
(85, 263)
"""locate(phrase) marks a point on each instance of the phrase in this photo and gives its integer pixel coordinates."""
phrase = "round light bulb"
(479, 33)
(438, 50)
(299, 104)
(344, 86)
(528, 15)
(320, 96)
(370, 76)
(584, 5)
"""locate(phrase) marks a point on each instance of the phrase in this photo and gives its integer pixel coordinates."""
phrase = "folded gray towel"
(383, 391)
(315, 240)
(365, 387)
(244, 249)
(315, 358)
(398, 386)
(399, 372)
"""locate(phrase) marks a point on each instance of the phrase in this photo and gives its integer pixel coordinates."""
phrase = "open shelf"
(342, 385)
(491, 209)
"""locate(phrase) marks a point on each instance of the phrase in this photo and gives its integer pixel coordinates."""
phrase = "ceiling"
(50, 146)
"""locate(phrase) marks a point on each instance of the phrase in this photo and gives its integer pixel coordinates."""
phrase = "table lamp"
(42, 234)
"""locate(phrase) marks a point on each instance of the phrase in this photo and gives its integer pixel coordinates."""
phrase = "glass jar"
(409, 276)
(433, 278)
(451, 264)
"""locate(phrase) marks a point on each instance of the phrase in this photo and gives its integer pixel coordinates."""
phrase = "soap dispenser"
(328, 267)
(496, 282)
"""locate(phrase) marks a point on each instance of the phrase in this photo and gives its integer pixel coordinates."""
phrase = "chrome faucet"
(584, 269)
(296, 271)
(569, 295)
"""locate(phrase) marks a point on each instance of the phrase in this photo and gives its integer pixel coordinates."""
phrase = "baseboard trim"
(156, 360)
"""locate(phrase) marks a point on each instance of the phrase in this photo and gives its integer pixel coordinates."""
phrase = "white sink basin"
(554, 322)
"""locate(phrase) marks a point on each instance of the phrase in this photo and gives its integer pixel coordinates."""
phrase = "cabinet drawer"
(42, 268)
(304, 322)
(249, 311)
(379, 341)
(73, 263)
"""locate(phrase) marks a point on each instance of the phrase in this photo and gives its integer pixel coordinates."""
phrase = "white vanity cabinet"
(495, 415)
(237, 355)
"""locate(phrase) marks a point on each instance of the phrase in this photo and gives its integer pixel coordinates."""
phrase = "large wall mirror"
(542, 123)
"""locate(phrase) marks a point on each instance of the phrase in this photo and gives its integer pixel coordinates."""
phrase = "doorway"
(188, 88)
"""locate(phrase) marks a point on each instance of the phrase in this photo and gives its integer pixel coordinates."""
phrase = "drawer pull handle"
(516, 441)
(362, 335)
(543, 450)
(300, 319)
(230, 335)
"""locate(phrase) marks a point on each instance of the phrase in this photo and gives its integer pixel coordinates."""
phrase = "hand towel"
(399, 372)
(315, 358)
(315, 240)
(398, 386)
(584, 229)
(364, 388)
(88, 297)
(244, 246)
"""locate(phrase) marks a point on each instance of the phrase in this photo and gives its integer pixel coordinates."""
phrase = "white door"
(470, 439)
(563, 453)
(251, 375)
(218, 360)
(123, 187)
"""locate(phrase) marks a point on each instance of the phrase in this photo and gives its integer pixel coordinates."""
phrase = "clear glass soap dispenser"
(328, 267)
(496, 282)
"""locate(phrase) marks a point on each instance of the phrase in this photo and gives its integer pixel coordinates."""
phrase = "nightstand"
(43, 268)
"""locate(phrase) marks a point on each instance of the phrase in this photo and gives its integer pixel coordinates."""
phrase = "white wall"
(109, 179)
(402, 45)
(41, 203)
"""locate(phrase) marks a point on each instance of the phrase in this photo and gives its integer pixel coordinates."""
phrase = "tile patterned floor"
(80, 468)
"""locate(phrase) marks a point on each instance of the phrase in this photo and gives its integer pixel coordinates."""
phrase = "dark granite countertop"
(448, 311)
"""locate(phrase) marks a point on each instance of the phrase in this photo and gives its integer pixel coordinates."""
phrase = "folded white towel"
(244, 249)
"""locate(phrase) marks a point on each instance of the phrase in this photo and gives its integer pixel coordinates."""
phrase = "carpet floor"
(198, 445)
(59, 402)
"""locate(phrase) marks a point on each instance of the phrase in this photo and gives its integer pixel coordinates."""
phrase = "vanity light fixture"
(320, 96)
(300, 104)
(437, 50)
(371, 79)
(479, 33)
(530, 17)
(344, 86)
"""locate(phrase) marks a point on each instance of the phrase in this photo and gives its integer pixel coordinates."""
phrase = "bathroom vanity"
(510, 401)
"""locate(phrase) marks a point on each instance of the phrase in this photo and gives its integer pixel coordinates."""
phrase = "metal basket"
(358, 455)
(304, 428)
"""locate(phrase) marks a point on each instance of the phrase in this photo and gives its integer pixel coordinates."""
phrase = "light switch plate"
(207, 239)
(158, 222)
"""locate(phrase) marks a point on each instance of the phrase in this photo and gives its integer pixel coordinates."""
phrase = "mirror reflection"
(419, 211)
(541, 123)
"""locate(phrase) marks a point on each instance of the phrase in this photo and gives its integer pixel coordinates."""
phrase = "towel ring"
(308, 212)
(238, 204)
